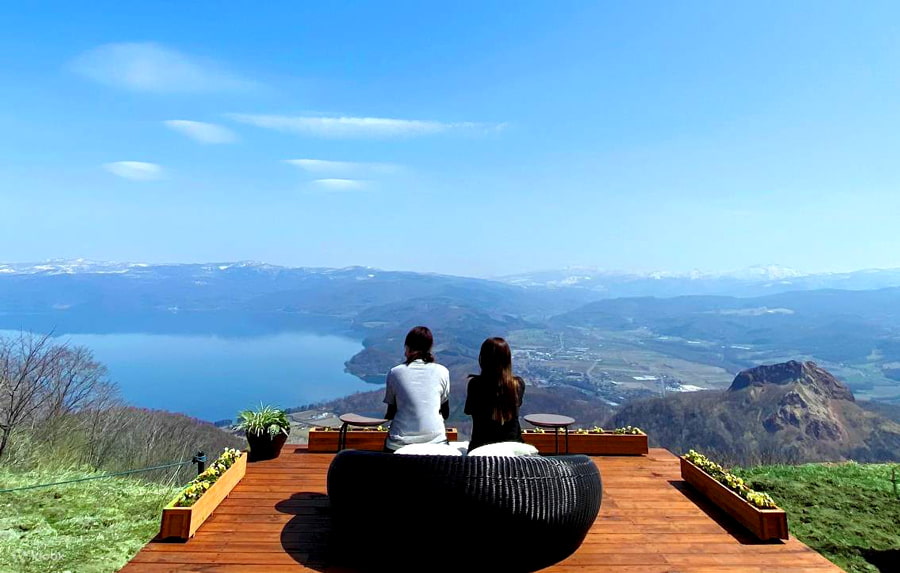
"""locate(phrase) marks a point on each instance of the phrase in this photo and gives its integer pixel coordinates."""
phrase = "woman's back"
(481, 402)
(417, 389)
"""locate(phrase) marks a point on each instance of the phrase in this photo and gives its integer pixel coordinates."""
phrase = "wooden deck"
(650, 521)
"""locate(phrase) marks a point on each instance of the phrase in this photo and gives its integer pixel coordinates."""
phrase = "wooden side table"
(355, 420)
(554, 421)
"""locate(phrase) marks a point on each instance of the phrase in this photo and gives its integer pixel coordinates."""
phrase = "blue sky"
(476, 138)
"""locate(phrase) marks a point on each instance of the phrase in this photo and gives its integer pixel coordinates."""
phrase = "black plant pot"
(264, 446)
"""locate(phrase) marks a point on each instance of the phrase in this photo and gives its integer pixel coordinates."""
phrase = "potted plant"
(596, 441)
(267, 429)
(196, 502)
(754, 510)
(325, 439)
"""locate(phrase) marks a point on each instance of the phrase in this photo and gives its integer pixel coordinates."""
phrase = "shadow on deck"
(277, 520)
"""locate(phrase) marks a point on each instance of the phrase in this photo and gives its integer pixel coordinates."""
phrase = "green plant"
(628, 430)
(355, 429)
(198, 486)
(264, 420)
(731, 481)
(633, 430)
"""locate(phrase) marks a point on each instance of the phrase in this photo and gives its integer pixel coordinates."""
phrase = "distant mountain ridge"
(576, 275)
(246, 287)
(788, 412)
(86, 266)
(753, 281)
(248, 298)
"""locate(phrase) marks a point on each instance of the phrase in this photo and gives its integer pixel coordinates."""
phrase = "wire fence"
(199, 459)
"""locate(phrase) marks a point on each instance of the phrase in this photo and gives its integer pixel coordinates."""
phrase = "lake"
(214, 377)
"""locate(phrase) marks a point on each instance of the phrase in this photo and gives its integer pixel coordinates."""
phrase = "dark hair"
(495, 360)
(418, 343)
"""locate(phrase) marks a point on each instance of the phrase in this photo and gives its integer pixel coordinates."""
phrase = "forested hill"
(58, 408)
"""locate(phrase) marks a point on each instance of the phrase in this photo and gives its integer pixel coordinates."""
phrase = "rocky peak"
(806, 374)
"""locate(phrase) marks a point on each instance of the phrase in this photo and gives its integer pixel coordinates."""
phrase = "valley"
(622, 365)
(615, 366)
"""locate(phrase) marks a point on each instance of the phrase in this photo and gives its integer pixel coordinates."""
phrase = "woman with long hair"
(417, 394)
(493, 397)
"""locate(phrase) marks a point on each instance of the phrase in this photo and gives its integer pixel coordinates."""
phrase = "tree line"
(59, 409)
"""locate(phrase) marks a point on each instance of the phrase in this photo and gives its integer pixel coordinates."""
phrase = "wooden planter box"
(763, 523)
(606, 444)
(327, 440)
(182, 522)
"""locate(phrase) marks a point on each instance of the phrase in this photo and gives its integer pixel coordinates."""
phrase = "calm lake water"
(213, 377)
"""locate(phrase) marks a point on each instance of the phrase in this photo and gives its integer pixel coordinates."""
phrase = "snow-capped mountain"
(86, 266)
(752, 281)
(60, 266)
(221, 287)
(580, 275)
(765, 272)
(590, 282)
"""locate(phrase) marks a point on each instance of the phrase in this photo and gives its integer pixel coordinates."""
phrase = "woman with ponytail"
(417, 394)
(494, 396)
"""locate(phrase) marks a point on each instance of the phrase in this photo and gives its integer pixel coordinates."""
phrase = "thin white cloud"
(349, 127)
(334, 184)
(150, 67)
(344, 168)
(135, 170)
(202, 132)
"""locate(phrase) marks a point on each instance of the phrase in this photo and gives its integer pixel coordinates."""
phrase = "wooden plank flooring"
(276, 520)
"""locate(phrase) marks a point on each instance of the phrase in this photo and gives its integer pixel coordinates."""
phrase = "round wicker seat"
(428, 513)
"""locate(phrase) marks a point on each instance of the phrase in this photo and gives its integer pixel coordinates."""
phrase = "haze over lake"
(213, 377)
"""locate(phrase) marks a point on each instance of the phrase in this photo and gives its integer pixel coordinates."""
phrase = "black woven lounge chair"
(438, 513)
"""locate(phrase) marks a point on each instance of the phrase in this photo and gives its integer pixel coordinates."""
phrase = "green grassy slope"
(88, 527)
(844, 511)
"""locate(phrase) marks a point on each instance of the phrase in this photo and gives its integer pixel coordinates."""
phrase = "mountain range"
(851, 331)
(753, 281)
(582, 347)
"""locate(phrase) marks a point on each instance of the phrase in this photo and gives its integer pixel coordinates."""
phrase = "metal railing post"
(200, 460)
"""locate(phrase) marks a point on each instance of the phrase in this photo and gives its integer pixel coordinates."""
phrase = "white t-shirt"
(418, 390)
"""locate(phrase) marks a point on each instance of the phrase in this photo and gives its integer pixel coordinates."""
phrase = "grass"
(844, 511)
(88, 527)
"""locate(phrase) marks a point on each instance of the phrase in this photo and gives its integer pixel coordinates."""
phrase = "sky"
(473, 138)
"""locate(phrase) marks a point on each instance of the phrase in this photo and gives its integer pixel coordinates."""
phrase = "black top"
(480, 401)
